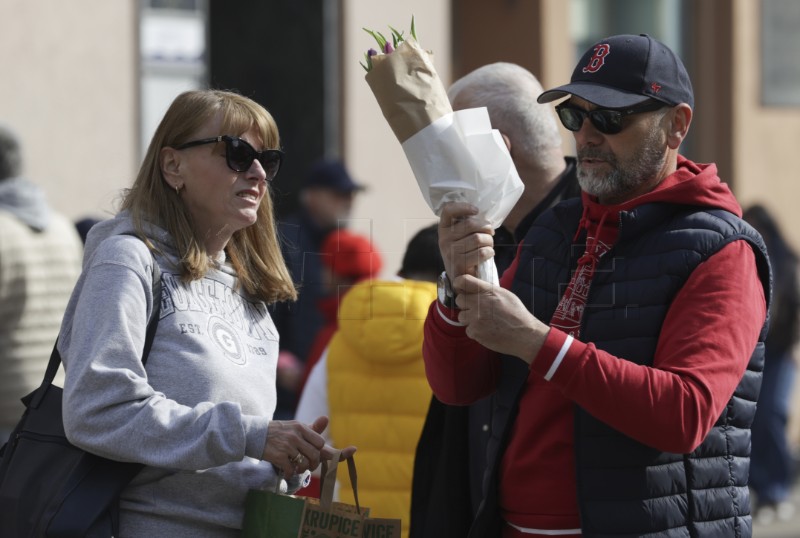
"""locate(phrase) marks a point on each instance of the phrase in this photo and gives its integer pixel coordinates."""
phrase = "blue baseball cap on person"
(332, 174)
(625, 70)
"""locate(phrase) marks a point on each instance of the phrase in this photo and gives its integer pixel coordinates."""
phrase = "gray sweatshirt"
(198, 416)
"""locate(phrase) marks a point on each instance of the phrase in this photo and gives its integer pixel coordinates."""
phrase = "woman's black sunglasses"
(240, 155)
(605, 120)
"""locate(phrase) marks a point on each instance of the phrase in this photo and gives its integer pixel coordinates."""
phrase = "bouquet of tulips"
(455, 156)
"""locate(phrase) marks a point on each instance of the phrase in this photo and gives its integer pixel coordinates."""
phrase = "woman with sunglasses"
(199, 416)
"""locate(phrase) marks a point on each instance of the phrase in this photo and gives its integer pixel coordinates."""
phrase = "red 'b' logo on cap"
(598, 58)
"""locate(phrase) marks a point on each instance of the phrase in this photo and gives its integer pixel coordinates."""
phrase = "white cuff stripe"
(545, 532)
(444, 316)
(560, 357)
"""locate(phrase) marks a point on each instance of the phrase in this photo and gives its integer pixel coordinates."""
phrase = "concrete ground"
(781, 529)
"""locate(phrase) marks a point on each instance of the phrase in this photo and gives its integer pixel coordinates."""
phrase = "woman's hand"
(294, 447)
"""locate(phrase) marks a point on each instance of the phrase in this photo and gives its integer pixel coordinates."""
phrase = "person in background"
(771, 461)
(40, 260)
(326, 201)
(200, 416)
(451, 455)
(371, 378)
(347, 258)
(625, 343)
(83, 225)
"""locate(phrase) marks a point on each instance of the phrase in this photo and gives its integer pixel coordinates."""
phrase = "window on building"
(595, 19)
(172, 51)
(780, 49)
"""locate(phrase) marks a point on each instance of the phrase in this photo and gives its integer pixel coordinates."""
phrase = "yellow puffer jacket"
(377, 390)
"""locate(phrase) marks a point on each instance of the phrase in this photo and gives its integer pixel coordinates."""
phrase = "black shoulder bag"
(48, 487)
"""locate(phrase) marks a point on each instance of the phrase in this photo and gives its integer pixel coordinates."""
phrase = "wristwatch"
(445, 291)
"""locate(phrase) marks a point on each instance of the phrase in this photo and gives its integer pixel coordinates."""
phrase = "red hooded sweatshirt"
(671, 406)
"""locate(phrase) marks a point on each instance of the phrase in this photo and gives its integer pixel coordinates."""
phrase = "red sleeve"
(705, 344)
(508, 275)
(460, 371)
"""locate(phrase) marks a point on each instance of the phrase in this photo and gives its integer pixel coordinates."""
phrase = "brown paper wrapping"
(408, 89)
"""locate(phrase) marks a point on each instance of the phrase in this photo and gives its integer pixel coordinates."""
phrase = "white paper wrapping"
(460, 158)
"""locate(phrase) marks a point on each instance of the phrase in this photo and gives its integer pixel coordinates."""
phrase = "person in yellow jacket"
(371, 379)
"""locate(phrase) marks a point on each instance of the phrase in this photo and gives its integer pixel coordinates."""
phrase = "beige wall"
(766, 139)
(393, 208)
(557, 59)
(68, 90)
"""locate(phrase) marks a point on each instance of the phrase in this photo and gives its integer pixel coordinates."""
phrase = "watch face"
(445, 291)
(441, 288)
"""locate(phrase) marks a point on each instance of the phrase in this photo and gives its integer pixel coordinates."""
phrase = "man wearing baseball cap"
(326, 200)
(625, 343)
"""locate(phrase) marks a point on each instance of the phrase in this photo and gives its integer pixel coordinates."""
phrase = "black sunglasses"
(240, 155)
(605, 120)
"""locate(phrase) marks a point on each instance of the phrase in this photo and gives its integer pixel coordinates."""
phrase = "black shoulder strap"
(152, 325)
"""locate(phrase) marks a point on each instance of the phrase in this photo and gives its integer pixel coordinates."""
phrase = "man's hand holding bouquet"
(455, 156)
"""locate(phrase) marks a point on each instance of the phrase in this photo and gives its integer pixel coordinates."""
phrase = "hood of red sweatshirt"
(691, 184)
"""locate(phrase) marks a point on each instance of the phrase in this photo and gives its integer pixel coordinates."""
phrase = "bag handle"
(152, 325)
(328, 480)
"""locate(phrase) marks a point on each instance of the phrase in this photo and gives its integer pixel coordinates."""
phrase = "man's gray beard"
(621, 180)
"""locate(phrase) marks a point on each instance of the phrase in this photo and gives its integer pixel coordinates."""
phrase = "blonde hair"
(253, 251)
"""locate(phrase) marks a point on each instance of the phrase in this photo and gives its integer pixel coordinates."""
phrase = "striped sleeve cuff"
(558, 347)
(448, 315)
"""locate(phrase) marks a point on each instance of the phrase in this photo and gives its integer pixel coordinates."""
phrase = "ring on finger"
(297, 459)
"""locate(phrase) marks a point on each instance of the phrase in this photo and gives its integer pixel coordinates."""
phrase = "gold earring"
(178, 189)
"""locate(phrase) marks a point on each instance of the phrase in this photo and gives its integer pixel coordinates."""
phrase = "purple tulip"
(385, 46)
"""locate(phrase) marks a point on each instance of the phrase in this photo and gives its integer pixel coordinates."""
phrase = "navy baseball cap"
(332, 174)
(624, 70)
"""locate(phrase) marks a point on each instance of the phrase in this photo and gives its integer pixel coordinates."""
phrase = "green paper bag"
(272, 515)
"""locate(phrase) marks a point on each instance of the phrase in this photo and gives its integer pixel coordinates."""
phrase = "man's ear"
(680, 117)
(170, 162)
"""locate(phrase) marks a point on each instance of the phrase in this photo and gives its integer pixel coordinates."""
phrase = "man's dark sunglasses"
(240, 155)
(605, 120)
